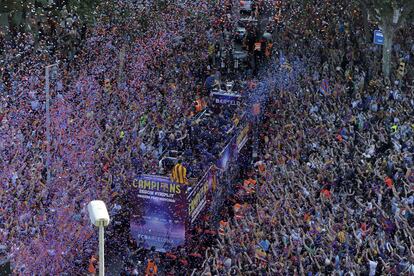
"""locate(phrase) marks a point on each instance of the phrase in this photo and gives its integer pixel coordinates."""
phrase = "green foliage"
(49, 9)
(86, 10)
(384, 10)
(391, 15)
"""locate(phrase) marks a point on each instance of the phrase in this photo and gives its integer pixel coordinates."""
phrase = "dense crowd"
(336, 194)
(109, 96)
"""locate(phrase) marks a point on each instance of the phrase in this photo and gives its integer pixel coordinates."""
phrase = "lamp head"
(98, 213)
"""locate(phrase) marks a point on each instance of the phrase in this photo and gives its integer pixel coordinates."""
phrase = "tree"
(392, 15)
(46, 10)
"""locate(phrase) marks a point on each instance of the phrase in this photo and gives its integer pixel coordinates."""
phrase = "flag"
(260, 254)
(264, 244)
(179, 174)
(324, 89)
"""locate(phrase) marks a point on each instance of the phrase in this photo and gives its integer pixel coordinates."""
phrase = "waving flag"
(324, 89)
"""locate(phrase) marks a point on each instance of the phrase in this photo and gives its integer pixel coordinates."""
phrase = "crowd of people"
(336, 196)
(109, 98)
(334, 193)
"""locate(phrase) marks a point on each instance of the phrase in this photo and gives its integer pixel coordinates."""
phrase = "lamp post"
(47, 90)
(101, 250)
(256, 113)
(99, 217)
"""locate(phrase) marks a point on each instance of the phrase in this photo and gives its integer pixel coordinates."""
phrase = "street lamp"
(99, 217)
(47, 88)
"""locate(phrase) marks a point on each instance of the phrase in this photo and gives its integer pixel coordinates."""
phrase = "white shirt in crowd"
(372, 268)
